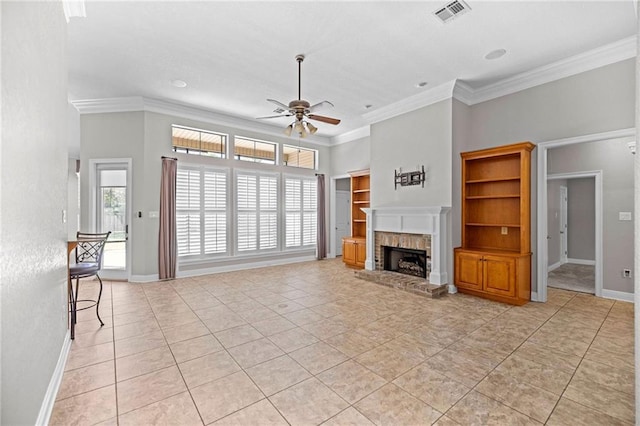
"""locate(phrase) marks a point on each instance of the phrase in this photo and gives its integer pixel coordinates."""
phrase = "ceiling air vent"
(452, 10)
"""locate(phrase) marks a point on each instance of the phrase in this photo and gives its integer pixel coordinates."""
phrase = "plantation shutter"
(215, 212)
(300, 211)
(188, 211)
(201, 211)
(310, 214)
(268, 212)
(247, 196)
(293, 219)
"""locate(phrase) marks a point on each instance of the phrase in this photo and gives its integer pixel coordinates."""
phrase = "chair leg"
(98, 301)
(72, 308)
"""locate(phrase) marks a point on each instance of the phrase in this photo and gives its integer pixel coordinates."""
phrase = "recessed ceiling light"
(421, 84)
(179, 83)
(495, 54)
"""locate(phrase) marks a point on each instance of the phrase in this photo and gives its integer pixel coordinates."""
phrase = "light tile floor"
(309, 343)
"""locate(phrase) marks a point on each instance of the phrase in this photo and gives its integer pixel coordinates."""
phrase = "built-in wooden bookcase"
(495, 258)
(354, 247)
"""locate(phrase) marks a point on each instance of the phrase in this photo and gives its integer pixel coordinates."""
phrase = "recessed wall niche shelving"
(354, 251)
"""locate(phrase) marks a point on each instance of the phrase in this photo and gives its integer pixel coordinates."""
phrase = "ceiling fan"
(301, 110)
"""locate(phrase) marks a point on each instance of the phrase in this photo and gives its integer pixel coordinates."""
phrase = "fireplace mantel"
(413, 220)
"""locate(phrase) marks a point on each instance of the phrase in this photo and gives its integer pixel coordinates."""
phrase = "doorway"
(343, 217)
(620, 137)
(111, 211)
(571, 232)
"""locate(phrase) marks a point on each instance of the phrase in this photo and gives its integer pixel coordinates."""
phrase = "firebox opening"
(406, 261)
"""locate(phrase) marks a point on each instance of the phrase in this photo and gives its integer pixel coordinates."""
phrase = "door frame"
(564, 220)
(93, 202)
(332, 213)
(628, 135)
(597, 174)
(335, 228)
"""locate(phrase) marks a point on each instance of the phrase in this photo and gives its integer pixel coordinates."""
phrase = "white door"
(112, 213)
(564, 245)
(343, 218)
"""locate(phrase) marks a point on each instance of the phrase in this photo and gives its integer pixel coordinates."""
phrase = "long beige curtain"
(167, 242)
(321, 234)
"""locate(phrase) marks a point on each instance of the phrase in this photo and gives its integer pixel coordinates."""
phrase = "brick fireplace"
(416, 228)
(391, 248)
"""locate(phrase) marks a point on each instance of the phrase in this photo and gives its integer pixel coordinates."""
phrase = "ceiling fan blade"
(279, 104)
(324, 119)
(320, 105)
(274, 116)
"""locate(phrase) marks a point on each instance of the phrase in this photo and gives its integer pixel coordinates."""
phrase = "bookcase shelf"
(494, 260)
(354, 247)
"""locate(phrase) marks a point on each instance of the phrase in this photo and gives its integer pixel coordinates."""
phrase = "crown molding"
(463, 92)
(596, 58)
(351, 135)
(139, 103)
(74, 9)
(429, 97)
(99, 106)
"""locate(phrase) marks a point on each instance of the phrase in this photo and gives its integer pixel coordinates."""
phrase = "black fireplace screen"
(406, 261)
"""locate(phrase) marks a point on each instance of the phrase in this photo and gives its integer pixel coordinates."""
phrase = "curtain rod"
(169, 158)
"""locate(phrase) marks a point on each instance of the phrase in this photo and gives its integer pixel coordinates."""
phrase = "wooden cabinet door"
(499, 275)
(468, 273)
(361, 253)
(348, 252)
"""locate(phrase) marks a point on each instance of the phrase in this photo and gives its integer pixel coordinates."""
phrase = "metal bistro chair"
(88, 263)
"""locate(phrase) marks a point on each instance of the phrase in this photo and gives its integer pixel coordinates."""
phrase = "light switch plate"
(624, 215)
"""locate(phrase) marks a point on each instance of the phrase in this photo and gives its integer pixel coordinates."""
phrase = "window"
(199, 142)
(201, 211)
(254, 150)
(295, 156)
(300, 211)
(257, 210)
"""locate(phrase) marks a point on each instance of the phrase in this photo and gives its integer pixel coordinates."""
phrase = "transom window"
(257, 151)
(198, 142)
(295, 156)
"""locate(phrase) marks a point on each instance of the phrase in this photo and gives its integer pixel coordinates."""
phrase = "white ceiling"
(234, 55)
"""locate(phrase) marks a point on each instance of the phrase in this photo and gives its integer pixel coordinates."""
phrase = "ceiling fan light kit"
(301, 110)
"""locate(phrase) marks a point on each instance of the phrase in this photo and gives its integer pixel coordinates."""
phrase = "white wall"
(33, 182)
(411, 140)
(616, 162)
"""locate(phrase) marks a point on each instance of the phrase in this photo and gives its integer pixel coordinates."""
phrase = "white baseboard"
(242, 266)
(554, 266)
(144, 278)
(581, 261)
(534, 296)
(617, 295)
(54, 384)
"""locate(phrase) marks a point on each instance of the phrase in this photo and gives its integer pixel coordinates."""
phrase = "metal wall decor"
(409, 178)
